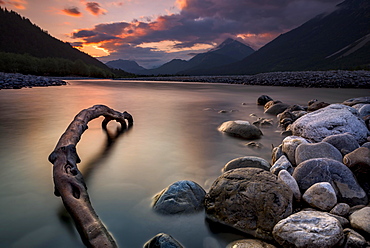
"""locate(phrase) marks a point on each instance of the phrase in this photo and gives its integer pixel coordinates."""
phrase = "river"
(174, 137)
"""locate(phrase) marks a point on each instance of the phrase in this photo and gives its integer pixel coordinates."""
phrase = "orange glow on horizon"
(93, 50)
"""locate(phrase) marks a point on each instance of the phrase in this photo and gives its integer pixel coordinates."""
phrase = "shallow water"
(174, 137)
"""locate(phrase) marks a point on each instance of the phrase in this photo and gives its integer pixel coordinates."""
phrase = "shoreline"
(305, 79)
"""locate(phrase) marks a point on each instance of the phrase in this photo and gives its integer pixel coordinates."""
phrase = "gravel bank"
(313, 79)
(18, 81)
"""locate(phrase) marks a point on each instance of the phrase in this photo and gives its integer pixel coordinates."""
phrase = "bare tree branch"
(68, 180)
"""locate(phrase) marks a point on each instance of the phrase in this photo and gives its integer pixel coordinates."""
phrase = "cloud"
(207, 22)
(19, 4)
(72, 11)
(95, 9)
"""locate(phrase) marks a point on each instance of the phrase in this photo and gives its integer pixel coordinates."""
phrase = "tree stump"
(68, 180)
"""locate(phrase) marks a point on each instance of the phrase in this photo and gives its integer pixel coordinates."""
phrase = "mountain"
(19, 35)
(126, 65)
(227, 52)
(338, 40)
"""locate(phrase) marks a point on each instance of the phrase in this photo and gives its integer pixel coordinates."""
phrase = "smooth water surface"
(174, 137)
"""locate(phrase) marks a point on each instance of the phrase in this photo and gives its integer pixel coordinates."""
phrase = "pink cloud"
(72, 11)
(19, 4)
(95, 9)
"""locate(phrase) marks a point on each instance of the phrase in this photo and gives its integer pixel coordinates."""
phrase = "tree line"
(28, 64)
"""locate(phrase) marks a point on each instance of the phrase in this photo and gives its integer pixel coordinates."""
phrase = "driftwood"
(68, 180)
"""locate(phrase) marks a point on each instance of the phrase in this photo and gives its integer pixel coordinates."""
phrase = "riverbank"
(18, 81)
(307, 79)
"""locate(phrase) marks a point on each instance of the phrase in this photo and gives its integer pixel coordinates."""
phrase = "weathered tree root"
(68, 180)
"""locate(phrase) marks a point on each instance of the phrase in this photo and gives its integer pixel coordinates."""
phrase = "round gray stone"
(317, 150)
(345, 142)
(282, 164)
(180, 197)
(360, 220)
(309, 229)
(321, 196)
(242, 129)
(289, 146)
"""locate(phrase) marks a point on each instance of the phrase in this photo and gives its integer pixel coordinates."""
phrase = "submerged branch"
(68, 180)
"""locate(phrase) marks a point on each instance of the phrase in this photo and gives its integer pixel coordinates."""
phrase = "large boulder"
(251, 200)
(317, 150)
(180, 197)
(333, 119)
(247, 161)
(241, 129)
(334, 172)
(309, 229)
(344, 142)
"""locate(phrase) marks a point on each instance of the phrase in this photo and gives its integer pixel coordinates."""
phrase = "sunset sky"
(152, 32)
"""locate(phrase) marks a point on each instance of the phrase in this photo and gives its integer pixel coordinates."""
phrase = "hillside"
(319, 44)
(19, 35)
(126, 65)
(227, 52)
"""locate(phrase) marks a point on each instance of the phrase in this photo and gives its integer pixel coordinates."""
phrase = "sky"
(152, 32)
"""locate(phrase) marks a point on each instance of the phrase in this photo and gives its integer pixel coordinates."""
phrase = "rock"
(270, 103)
(359, 158)
(316, 150)
(364, 110)
(344, 142)
(277, 152)
(180, 197)
(317, 105)
(286, 178)
(254, 144)
(242, 129)
(353, 239)
(263, 122)
(358, 100)
(341, 209)
(360, 220)
(343, 221)
(333, 119)
(321, 196)
(162, 240)
(289, 146)
(282, 164)
(249, 199)
(247, 161)
(277, 108)
(337, 174)
(249, 243)
(366, 144)
(311, 229)
(262, 100)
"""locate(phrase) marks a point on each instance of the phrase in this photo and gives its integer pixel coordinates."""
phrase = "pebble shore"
(18, 81)
(307, 79)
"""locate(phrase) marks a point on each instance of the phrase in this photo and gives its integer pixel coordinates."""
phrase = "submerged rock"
(162, 240)
(262, 100)
(249, 199)
(180, 197)
(242, 129)
(310, 229)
